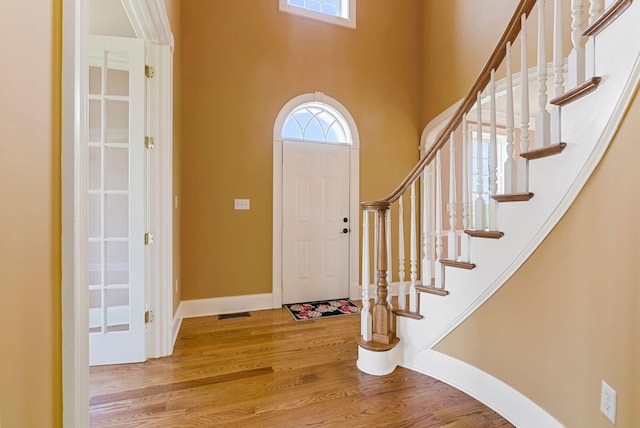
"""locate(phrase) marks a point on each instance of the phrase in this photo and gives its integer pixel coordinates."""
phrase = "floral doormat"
(322, 309)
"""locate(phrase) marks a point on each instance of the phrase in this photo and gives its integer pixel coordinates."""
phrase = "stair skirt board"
(492, 392)
(556, 181)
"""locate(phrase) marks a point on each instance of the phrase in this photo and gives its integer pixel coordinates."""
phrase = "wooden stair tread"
(513, 197)
(377, 346)
(431, 289)
(544, 152)
(407, 314)
(607, 17)
(490, 234)
(457, 264)
(577, 92)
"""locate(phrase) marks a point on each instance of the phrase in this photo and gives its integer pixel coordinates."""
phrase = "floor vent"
(236, 315)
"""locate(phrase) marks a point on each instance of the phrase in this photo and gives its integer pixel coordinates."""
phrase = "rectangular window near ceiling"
(339, 12)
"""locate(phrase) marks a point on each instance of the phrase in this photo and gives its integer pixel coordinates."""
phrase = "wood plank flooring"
(268, 370)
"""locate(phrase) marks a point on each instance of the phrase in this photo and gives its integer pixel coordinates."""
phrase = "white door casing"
(354, 195)
(315, 221)
(117, 201)
(150, 23)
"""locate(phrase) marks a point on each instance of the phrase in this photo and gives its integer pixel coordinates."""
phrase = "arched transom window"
(317, 122)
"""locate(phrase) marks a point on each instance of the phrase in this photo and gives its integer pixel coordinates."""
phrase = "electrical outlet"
(608, 402)
(241, 204)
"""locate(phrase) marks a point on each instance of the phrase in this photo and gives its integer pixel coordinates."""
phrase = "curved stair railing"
(479, 161)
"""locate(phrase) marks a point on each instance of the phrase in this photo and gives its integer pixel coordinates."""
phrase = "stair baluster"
(543, 132)
(523, 164)
(595, 10)
(558, 68)
(465, 247)
(493, 155)
(426, 271)
(413, 253)
(365, 316)
(452, 206)
(478, 218)
(510, 171)
(402, 291)
(439, 268)
(576, 57)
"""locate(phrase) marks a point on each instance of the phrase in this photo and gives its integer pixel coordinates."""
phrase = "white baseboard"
(505, 400)
(175, 326)
(224, 305)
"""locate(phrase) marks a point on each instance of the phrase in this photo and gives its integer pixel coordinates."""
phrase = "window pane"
(314, 131)
(316, 122)
(292, 129)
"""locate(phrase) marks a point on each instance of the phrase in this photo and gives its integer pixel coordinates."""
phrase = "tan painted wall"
(242, 60)
(570, 316)
(458, 37)
(173, 10)
(30, 361)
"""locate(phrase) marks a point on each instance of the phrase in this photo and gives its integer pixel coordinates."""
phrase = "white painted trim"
(150, 21)
(492, 392)
(347, 20)
(177, 323)
(160, 215)
(354, 193)
(75, 317)
(223, 305)
(377, 363)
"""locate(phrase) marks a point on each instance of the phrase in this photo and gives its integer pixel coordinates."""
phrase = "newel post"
(382, 313)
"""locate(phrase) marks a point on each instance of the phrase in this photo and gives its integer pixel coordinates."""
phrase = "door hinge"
(149, 143)
(148, 239)
(149, 71)
(148, 317)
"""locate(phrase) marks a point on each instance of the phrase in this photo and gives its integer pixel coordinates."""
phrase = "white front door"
(315, 230)
(116, 201)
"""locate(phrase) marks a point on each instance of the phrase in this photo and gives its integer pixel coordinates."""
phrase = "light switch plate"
(242, 204)
(608, 397)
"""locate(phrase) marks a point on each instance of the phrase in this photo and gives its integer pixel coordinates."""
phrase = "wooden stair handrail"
(499, 53)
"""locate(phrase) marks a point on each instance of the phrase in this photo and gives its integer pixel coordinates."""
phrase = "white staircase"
(449, 273)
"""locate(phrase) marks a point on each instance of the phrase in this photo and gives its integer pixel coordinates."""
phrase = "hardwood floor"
(268, 370)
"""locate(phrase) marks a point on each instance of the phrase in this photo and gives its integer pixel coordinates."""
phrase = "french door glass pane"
(95, 121)
(116, 168)
(95, 80)
(117, 118)
(116, 213)
(117, 254)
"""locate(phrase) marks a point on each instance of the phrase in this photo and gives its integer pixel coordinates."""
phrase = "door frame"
(151, 23)
(354, 193)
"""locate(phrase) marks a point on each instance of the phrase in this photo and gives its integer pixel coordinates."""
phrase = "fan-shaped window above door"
(316, 122)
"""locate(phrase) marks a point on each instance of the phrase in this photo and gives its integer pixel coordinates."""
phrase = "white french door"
(316, 226)
(116, 201)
